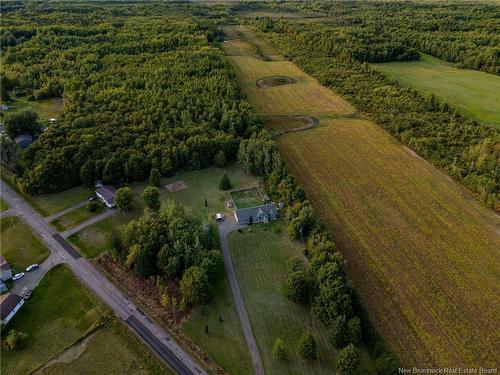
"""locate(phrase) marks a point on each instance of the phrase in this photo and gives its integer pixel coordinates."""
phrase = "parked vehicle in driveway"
(32, 267)
(17, 276)
(219, 218)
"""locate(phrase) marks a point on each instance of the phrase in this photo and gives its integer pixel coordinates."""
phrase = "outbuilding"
(3, 286)
(10, 304)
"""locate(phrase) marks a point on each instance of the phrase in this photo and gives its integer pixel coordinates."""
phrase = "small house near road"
(5, 269)
(259, 214)
(3, 286)
(106, 194)
(9, 305)
(23, 140)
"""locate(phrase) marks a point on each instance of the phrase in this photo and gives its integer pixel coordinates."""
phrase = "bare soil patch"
(176, 186)
(274, 81)
(289, 123)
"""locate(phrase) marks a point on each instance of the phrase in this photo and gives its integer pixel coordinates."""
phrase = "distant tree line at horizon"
(462, 33)
(140, 92)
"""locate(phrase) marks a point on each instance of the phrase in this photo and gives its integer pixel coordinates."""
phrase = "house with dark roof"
(24, 140)
(106, 194)
(3, 286)
(9, 305)
(5, 269)
(259, 214)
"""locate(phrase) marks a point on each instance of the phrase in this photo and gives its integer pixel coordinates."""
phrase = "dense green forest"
(466, 150)
(374, 31)
(144, 86)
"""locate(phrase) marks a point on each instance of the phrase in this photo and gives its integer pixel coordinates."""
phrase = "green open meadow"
(474, 93)
(19, 245)
(259, 255)
(57, 318)
(46, 109)
(421, 252)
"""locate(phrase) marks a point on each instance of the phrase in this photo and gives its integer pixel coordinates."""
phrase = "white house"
(106, 194)
(10, 304)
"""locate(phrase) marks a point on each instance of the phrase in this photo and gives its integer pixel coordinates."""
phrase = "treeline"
(323, 282)
(464, 149)
(465, 33)
(170, 244)
(140, 92)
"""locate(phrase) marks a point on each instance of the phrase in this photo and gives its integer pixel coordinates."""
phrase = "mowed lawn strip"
(75, 217)
(421, 252)
(259, 255)
(19, 245)
(3, 205)
(473, 92)
(225, 342)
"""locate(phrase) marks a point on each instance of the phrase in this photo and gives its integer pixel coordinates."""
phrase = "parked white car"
(17, 276)
(32, 267)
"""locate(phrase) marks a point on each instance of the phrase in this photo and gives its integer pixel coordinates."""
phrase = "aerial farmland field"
(474, 93)
(421, 252)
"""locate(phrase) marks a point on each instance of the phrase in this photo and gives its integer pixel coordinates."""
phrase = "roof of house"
(7, 303)
(106, 192)
(244, 213)
(4, 265)
(23, 140)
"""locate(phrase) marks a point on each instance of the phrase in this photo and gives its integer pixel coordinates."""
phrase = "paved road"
(66, 211)
(227, 226)
(151, 333)
(89, 222)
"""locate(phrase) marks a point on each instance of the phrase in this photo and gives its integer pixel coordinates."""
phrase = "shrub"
(296, 287)
(151, 196)
(225, 182)
(348, 361)
(307, 347)
(155, 177)
(354, 330)
(279, 352)
(294, 264)
(124, 199)
(195, 287)
(15, 340)
(220, 159)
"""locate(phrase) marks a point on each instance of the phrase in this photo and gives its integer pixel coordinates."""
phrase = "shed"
(24, 140)
(106, 194)
(10, 304)
(5, 107)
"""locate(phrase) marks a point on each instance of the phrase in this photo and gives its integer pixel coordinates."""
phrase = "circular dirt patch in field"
(289, 123)
(274, 81)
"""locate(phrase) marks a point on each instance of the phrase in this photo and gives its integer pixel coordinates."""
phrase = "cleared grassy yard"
(247, 198)
(18, 244)
(76, 217)
(46, 109)
(475, 93)
(259, 256)
(58, 314)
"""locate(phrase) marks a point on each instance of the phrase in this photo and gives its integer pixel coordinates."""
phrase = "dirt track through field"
(423, 255)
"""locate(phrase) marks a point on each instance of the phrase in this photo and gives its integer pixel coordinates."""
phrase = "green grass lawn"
(76, 217)
(473, 92)
(247, 198)
(200, 185)
(225, 342)
(46, 109)
(58, 314)
(3, 205)
(259, 256)
(19, 246)
(49, 204)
